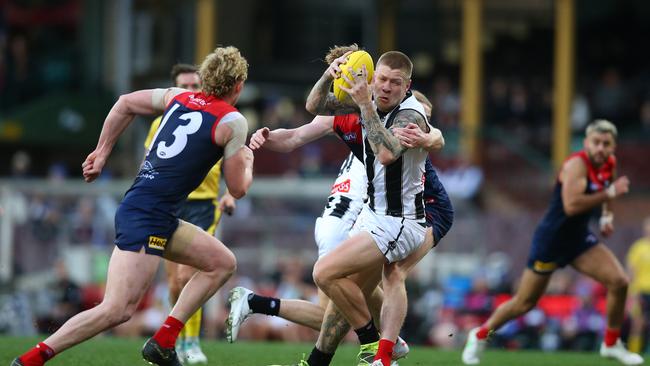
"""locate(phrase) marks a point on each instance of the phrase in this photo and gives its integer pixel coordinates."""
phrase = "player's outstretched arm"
(412, 136)
(574, 184)
(142, 102)
(237, 163)
(287, 140)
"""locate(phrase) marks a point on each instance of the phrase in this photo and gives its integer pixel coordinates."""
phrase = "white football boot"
(239, 311)
(620, 353)
(474, 348)
(193, 353)
(401, 349)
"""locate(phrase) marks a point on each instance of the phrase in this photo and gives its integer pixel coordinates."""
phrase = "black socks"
(264, 305)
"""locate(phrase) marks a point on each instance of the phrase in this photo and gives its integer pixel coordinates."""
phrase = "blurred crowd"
(569, 317)
(443, 307)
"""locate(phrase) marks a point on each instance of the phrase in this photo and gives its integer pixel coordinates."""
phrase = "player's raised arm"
(287, 140)
(237, 157)
(142, 102)
(574, 184)
(320, 100)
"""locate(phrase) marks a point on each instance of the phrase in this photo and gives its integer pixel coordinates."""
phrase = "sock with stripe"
(385, 352)
(37, 356)
(168, 332)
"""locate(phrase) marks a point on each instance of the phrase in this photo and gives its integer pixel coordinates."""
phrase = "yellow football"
(355, 60)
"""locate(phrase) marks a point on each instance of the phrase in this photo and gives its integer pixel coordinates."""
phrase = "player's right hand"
(622, 185)
(259, 138)
(334, 70)
(92, 166)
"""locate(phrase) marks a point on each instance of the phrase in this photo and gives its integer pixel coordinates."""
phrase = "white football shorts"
(396, 237)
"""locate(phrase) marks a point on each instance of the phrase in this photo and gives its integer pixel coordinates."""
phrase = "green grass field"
(105, 351)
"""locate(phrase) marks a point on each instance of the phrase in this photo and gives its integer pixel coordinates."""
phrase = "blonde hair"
(338, 51)
(601, 126)
(422, 98)
(222, 70)
(397, 60)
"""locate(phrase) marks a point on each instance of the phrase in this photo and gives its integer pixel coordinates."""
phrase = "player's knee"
(230, 264)
(396, 275)
(619, 282)
(522, 306)
(220, 262)
(321, 275)
(182, 279)
(118, 313)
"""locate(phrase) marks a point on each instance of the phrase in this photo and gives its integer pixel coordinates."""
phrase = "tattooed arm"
(384, 144)
(321, 101)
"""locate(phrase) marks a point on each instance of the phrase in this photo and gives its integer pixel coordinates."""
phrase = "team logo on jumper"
(147, 171)
(156, 242)
(540, 266)
(342, 187)
(350, 136)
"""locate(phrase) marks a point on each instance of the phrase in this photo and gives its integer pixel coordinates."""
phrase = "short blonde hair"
(338, 51)
(397, 60)
(222, 70)
(602, 126)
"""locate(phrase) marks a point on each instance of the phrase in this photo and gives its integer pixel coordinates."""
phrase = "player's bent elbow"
(570, 209)
(439, 144)
(237, 193)
(311, 107)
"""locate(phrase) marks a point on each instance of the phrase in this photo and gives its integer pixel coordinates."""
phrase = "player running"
(585, 187)
(197, 130)
(201, 209)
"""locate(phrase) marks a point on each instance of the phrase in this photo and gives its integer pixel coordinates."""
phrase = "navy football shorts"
(202, 213)
(136, 228)
(440, 216)
(550, 252)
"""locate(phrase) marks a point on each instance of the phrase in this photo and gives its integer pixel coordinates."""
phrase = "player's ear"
(239, 86)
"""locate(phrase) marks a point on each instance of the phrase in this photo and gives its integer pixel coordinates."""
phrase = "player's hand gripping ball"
(355, 60)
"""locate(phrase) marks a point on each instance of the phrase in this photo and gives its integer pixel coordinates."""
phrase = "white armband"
(158, 97)
(606, 219)
(611, 191)
(237, 123)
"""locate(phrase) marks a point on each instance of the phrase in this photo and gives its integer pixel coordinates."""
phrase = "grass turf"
(108, 351)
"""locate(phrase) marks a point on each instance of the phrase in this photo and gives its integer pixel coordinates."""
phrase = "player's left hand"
(92, 166)
(227, 204)
(606, 225)
(411, 136)
(359, 89)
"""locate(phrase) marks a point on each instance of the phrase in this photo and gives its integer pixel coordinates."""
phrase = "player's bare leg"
(215, 263)
(354, 255)
(187, 346)
(600, 264)
(395, 304)
(129, 276)
(531, 288)
(192, 246)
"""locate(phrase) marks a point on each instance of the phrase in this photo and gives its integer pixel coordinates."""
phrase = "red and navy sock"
(37, 356)
(385, 352)
(611, 336)
(168, 332)
(263, 304)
